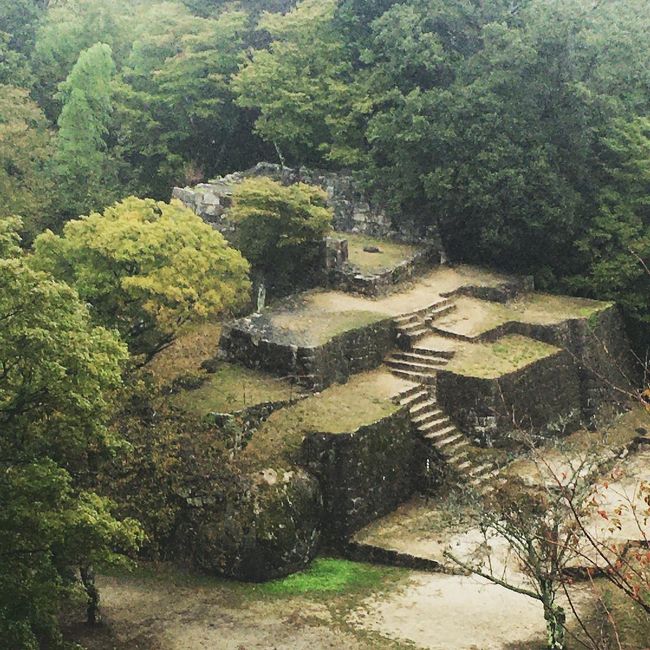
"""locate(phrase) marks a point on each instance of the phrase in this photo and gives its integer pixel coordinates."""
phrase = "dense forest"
(520, 129)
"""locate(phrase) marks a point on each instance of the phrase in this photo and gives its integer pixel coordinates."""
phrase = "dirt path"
(429, 611)
(441, 612)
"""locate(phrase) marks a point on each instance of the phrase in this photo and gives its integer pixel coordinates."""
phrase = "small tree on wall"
(278, 228)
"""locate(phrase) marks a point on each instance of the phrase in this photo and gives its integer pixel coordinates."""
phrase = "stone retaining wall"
(350, 279)
(542, 398)
(238, 427)
(600, 350)
(314, 367)
(352, 210)
(502, 293)
(362, 475)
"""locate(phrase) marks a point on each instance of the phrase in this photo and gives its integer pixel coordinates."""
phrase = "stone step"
(459, 457)
(429, 418)
(425, 407)
(442, 354)
(451, 335)
(411, 326)
(415, 398)
(409, 365)
(420, 358)
(404, 394)
(406, 318)
(480, 470)
(439, 313)
(438, 429)
(445, 442)
(457, 448)
(432, 424)
(461, 466)
(418, 313)
(413, 376)
(416, 335)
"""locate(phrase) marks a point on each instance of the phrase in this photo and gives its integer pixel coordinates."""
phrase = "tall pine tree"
(82, 167)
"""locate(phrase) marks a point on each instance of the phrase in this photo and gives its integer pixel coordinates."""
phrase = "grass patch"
(328, 576)
(233, 388)
(194, 344)
(315, 327)
(491, 360)
(630, 622)
(548, 308)
(365, 399)
(392, 253)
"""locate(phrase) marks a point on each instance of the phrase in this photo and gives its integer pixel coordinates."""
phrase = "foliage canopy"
(279, 228)
(147, 268)
(57, 373)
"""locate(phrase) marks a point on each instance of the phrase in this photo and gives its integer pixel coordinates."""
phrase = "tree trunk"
(555, 626)
(92, 607)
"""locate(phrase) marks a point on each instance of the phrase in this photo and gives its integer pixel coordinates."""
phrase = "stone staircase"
(419, 365)
(438, 431)
(414, 326)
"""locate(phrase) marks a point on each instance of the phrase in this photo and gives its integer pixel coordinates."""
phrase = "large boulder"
(270, 528)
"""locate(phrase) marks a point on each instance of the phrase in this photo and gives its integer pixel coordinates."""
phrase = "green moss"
(233, 388)
(392, 253)
(490, 360)
(365, 399)
(328, 576)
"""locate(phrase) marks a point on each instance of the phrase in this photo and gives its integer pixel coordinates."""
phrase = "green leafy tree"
(147, 268)
(616, 246)
(255, 7)
(176, 119)
(486, 120)
(82, 167)
(19, 19)
(9, 237)
(66, 30)
(57, 372)
(14, 66)
(25, 147)
(279, 228)
(302, 87)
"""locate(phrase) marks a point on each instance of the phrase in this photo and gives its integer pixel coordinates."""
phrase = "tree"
(82, 167)
(66, 30)
(279, 228)
(147, 268)
(176, 120)
(19, 19)
(255, 7)
(57, 373)
(537, 526)
(616, 245)
(301, 87)
(569, 523)
(9, 237)
(25, 147)
(14, 66)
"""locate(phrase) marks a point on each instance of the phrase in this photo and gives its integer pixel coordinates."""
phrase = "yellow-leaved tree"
(146, 268)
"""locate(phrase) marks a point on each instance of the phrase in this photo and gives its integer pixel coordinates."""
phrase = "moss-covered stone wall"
(362, 475)
(350, 279)
(541, 398)
(600, 350)
(314, 367)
